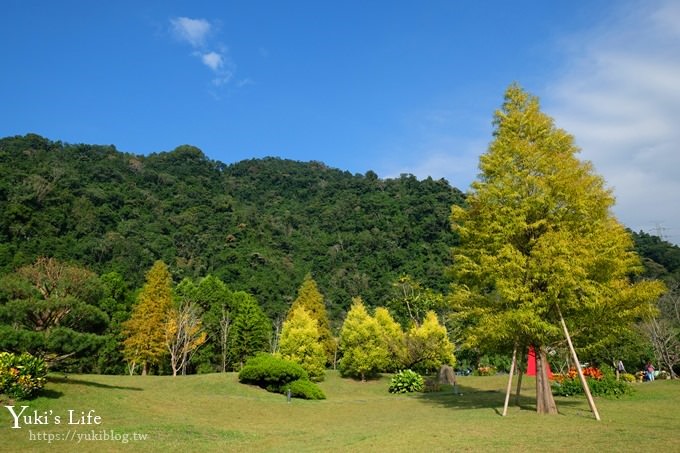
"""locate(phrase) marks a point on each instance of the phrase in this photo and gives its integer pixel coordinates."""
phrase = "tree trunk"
(520, 373)
(184, 362)
(145, 368)
(545, 403)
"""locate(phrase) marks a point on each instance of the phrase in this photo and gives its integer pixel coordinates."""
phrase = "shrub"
(601, 383)
(406, 381)
(485, 371)
(628, 377)
(306, 390)
(271, 373)
(21, 376)
(500, 363)
(278, 375)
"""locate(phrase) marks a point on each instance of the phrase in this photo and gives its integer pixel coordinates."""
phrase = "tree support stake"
(584, 384)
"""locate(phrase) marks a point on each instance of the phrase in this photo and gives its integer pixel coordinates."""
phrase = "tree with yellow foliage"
(540, 252)
(145, 330)
(393, 337)
(299, 343)
(310, 298)
(364, 353)
(428, 345)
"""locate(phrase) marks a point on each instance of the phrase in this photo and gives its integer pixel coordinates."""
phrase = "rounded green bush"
(277, 375)
(406, 381)
(271, 373)
(306, 390)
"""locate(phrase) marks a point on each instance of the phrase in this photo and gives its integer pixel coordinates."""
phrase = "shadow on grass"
(50, 394)
(466, 397)
(67, 380)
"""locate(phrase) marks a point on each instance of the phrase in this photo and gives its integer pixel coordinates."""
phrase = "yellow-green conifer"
(145, 330)
(310, 298)
(300, 343)
(364, 353)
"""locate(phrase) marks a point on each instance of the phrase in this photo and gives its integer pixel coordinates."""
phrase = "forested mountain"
(259, 225)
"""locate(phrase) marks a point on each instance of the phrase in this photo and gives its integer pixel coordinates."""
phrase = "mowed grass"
(216, 413)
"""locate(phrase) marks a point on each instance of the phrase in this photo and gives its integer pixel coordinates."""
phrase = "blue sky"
(389, 86)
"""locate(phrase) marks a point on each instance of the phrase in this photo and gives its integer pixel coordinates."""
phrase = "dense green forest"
(260, 226)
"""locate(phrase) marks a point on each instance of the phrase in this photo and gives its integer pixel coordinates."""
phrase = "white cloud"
(620, 97)
(213, 60)
(197, 32)
(193, 31)
(440, 143)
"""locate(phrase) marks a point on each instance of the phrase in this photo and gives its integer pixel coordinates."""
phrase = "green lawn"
(216, 413)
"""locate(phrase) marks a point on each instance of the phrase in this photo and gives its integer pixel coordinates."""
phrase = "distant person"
(620, 368)
(649, 369)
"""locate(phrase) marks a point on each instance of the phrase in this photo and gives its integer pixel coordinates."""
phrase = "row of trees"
(82, 322)
(175, 323)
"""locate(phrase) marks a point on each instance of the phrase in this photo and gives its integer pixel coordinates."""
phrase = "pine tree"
(250, 330)
(145, 330)
(364, 351)
(538, 243)
(300, 343)
(310, 298)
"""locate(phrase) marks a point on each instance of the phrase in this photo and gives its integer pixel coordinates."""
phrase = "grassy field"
(216, 413)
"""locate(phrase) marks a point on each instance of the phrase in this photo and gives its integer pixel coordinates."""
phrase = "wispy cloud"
(437, 147)
(214, 55)
(620, 97)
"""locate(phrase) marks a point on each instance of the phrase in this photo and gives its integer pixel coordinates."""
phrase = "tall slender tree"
(145, 330)
(393, 337)
(364, 351)
(539, 244)
(300, 343)
(184, 334)
(310, 298)
(250, 330)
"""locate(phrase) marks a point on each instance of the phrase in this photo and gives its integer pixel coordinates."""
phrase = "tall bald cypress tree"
(310, 298)
(145, 330)
(538, 243)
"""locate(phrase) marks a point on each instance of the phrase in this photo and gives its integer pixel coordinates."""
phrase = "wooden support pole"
(507, 391)
(584, 383)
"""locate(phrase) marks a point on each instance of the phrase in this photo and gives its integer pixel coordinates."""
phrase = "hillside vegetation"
(259, 225)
